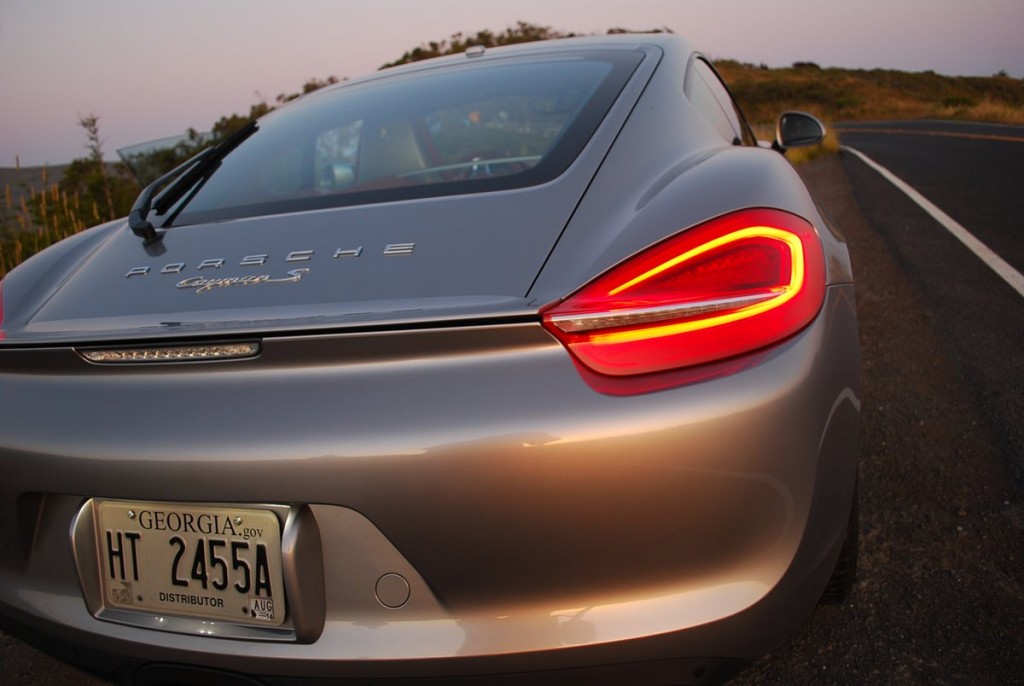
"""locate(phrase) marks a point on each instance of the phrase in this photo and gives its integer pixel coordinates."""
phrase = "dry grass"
(828, 146)
(35, 214)
(849, 95)
(856, 95)
(988, 110)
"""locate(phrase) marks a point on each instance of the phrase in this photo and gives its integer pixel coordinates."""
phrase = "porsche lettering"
(259, 260)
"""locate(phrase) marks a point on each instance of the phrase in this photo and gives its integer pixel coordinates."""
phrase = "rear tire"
(844, 575)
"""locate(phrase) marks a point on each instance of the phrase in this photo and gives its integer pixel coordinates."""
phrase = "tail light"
(734, 285)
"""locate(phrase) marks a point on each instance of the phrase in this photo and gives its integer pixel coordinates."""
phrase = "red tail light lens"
(736, 284)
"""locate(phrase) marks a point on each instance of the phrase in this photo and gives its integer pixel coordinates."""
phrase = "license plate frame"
(205, 562)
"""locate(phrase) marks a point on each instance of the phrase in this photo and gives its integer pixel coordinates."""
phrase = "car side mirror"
(796, 129)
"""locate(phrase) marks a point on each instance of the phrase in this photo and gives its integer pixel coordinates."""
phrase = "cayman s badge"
(202, 284)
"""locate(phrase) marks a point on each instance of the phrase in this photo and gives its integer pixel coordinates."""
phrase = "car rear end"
(360, 443)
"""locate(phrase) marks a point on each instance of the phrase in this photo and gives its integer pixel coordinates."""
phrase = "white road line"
(994, 261)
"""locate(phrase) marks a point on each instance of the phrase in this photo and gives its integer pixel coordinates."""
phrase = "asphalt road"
(940, 598)
(974, 173)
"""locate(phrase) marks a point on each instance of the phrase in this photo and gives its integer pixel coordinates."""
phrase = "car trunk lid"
(423, 261)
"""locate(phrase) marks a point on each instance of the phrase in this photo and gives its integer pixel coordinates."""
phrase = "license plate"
(202, 561)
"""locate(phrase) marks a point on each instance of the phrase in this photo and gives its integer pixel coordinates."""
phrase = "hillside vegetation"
(36, 210)
(835, 94)
(832, 94)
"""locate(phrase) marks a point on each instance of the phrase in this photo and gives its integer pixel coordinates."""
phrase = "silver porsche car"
(529, 363)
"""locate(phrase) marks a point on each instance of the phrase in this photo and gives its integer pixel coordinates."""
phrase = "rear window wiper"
(184, 177)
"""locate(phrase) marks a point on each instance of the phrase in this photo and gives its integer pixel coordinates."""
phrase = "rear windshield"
(479, 127)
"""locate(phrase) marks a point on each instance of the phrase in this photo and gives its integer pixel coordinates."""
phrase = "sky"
(151, 69)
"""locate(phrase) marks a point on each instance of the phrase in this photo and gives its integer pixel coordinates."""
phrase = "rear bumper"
(541, 526)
